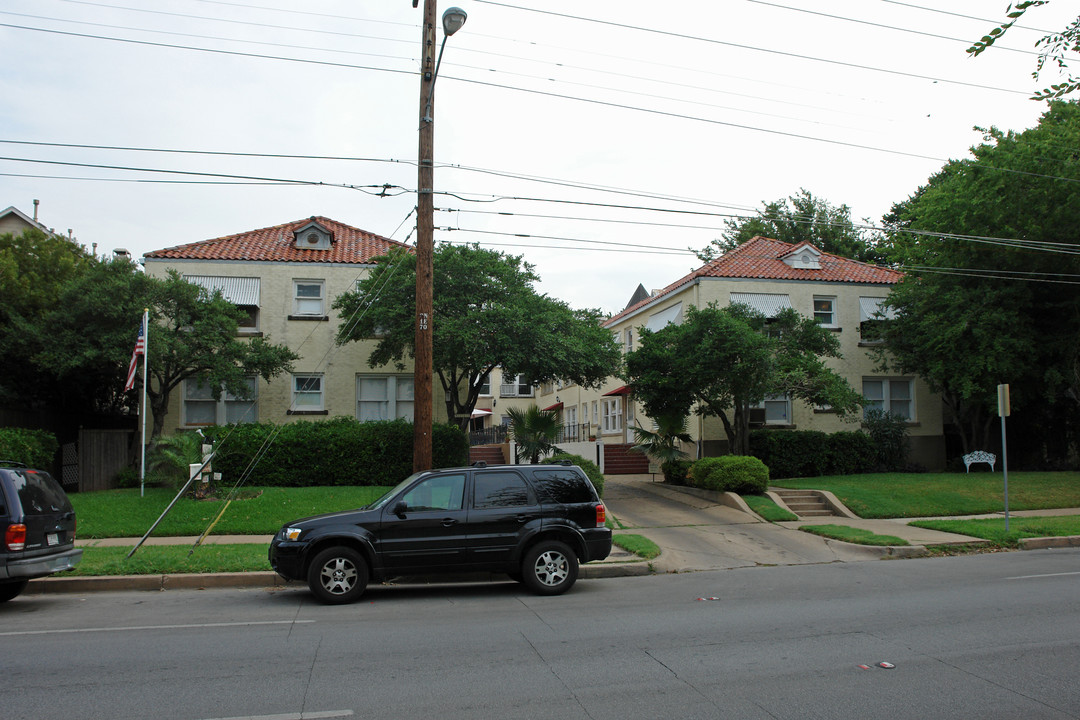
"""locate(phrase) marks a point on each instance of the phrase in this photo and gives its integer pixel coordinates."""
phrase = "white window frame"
(514, 387)
(612, 418)
(629, 339)
(889, 399)
(302, 304)
(318, 394)
(826, 318)
(771, 405)
(222, 405)
(396, 402)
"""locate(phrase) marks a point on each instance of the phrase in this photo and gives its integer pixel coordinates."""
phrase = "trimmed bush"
(675, 471)
(341, 451)
(36, 448)
(742, 474)
(591, 470)
(809, 453)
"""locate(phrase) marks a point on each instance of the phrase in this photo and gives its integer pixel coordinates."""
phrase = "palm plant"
(535, 432)
(663, 444)
(171, 456)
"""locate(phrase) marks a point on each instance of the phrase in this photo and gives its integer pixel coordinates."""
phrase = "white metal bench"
(977, 457)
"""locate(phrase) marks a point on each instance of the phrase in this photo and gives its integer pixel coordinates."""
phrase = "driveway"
(698, 534)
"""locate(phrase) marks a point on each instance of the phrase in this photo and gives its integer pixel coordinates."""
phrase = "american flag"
(140, 349)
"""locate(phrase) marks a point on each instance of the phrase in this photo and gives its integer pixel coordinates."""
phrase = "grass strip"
(767, 509)
(172, 560)
(853, 535)
(637, 544)
(889, 495)
(993, 529)
(262, 511)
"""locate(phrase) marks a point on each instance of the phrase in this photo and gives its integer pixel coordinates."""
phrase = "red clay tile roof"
(761, 258)
(277, 244)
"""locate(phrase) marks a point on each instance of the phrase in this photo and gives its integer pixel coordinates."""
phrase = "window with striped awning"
(768, 304)
(237, 290)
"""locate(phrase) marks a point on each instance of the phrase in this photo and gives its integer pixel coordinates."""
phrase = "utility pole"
(425, 241)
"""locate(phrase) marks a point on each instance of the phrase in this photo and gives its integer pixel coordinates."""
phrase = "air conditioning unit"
(757, 417)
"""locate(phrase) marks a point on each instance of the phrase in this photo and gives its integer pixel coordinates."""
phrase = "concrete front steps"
(806, 503)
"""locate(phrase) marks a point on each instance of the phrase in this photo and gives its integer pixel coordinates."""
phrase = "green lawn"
(172, 559)
(767, 509)
(853, 535)
(123, 513)
(886, 495)
(1019, 527)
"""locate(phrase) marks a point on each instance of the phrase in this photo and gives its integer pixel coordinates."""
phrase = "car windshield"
(392, 492)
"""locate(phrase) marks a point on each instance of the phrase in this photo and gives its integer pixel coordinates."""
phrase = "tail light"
(15, 537)
(601, 515)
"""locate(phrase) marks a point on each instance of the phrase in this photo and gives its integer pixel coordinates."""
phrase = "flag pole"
(145, 381)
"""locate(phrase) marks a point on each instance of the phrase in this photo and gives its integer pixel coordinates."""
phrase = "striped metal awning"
(869, 307)
(237, 290)
(768, 304)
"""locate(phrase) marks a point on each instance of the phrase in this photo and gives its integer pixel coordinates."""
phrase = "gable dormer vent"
(312, 236)
(804, 257)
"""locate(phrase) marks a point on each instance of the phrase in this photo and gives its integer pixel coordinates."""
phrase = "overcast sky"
(599, 139)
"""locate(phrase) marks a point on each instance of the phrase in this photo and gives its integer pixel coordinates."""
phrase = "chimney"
(36, 203)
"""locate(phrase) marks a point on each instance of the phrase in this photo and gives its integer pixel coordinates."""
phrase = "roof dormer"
(804, 257)
(313, 236)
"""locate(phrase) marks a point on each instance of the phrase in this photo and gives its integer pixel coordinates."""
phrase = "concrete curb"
(1044, 543)
(202, 581)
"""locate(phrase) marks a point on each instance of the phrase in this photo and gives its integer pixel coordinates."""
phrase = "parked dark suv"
(535, 523)
(38, 526)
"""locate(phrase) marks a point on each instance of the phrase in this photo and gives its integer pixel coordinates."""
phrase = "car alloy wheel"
(550, 568)
(338, 575)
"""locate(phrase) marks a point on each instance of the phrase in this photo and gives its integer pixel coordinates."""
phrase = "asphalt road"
(987, 636)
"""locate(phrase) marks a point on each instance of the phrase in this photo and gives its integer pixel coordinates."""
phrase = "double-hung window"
(825, 311)
(777, 409)
(200, 407)
(307, 395)
(309, 298)
(893, 395)
(384, 397)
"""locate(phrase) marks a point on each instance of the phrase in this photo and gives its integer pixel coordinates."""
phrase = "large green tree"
(34, 268)
(796, 219)
(990, 249)
(1055, 48)
(487, 314)
(722, 361)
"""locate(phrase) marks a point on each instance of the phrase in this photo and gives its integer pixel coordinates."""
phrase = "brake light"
(601, 515)
(15, 537)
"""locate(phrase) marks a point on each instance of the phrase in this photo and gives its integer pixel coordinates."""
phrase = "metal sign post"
(1003, 411)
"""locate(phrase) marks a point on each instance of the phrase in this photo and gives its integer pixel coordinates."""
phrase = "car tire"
(549, 568)
(10, 590)
(338, 575)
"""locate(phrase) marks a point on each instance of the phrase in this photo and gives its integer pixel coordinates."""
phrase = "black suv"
(533, 522)
(38, 525)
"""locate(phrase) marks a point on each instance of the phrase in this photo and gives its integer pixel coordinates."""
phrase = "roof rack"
(13, 463)
(479, 464)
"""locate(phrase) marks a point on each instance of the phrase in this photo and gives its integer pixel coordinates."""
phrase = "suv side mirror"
(399, 508)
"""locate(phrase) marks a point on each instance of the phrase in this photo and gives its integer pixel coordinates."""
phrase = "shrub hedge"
(592, 471)
(36, 448)
(340, 451)
(742, 474)
(809, 453)
(675, 471)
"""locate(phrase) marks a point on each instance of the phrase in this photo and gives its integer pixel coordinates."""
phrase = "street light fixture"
(423, 368)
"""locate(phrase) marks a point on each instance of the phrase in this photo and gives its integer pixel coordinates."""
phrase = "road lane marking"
(153, 627)
(294, 716)
(1029, 577)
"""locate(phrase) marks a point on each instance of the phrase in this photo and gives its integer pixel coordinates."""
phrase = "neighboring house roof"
(278, 244)
(762, 258)
(23, 217)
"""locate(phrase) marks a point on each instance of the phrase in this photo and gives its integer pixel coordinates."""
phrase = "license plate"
(52, 539)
